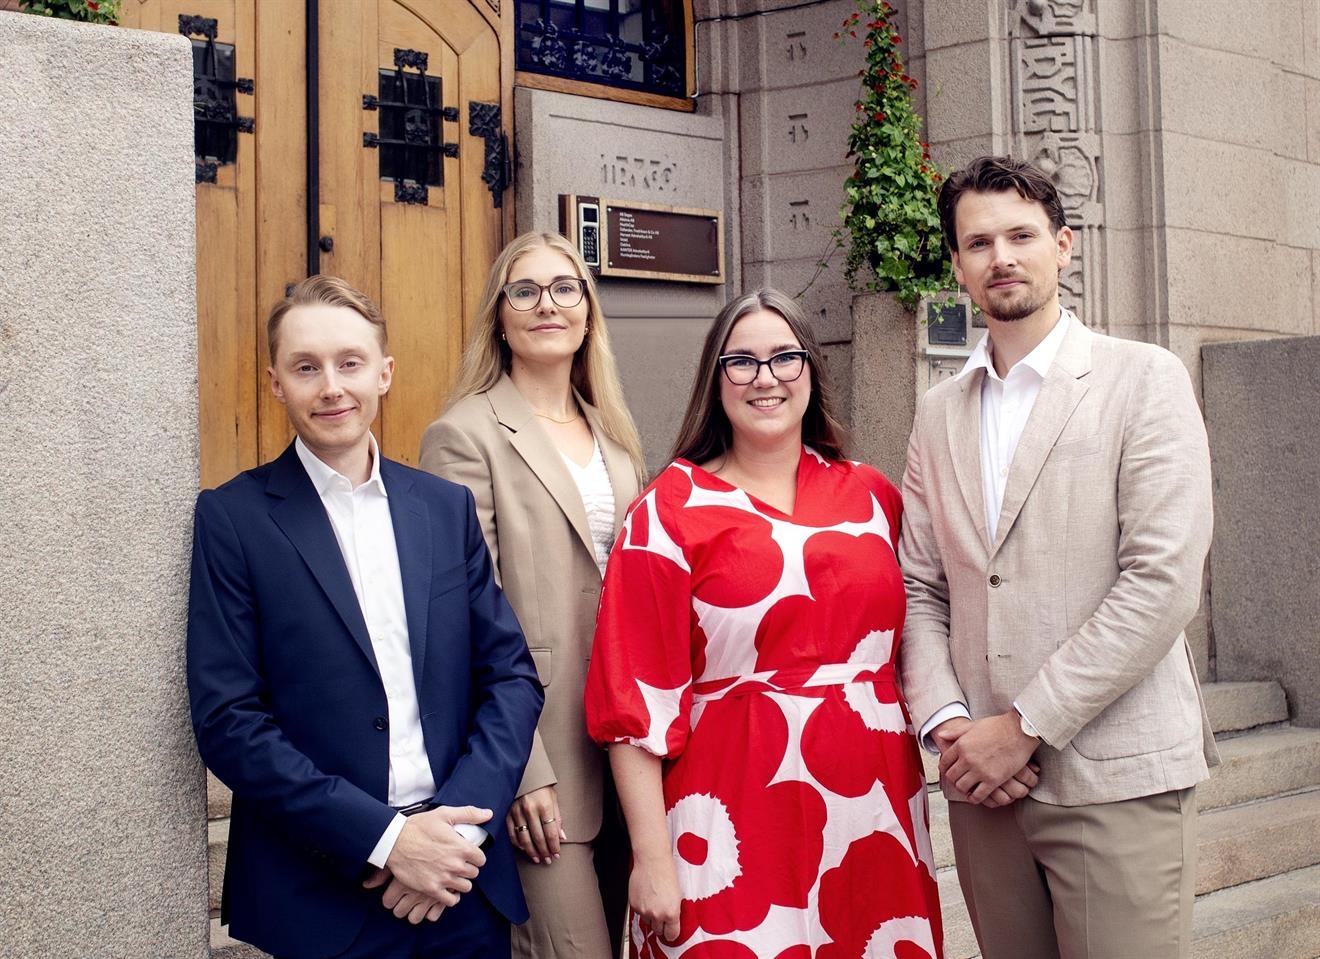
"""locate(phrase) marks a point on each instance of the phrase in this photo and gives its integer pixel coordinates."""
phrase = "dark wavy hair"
(706, 432)
(989, 174)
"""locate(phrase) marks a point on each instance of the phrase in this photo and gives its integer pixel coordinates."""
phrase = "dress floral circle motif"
(753, 652)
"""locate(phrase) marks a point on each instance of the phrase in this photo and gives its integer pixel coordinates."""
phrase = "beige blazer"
(1076, 610)
(536, 526)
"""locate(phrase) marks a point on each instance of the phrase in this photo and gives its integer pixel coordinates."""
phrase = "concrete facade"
(1261, 400)
(1183, 135)
(776, 69)
(636, 154)
(102, 836)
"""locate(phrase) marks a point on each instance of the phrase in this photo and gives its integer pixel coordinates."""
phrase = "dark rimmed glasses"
(741, 369)
(565, 291)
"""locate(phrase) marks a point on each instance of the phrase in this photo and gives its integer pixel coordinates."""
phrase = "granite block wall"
(102, 804)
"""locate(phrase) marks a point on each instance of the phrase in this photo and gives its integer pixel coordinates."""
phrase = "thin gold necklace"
(547, 416)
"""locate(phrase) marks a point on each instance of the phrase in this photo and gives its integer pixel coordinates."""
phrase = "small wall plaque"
(647, 241)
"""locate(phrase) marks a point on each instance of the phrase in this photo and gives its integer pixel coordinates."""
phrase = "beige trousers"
(1105, 881)
(567, 919)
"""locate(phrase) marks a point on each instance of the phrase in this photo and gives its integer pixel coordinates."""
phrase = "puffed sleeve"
(639, 684)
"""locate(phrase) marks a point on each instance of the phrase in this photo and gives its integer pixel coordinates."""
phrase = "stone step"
(1262, 763)
(218, 797)
(1256, 840)
(1275, 918)
(1232, 841)
(1237, 706)
(222, 947)
(217, 847)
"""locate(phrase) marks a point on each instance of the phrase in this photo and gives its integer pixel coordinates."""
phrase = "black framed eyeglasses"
(742, 369)
(565, 291)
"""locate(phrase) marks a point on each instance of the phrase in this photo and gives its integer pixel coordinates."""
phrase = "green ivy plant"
(891, 228)
(88, 11)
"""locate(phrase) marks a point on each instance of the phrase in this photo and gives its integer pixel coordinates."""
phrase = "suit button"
(380, 723)
(995, 580)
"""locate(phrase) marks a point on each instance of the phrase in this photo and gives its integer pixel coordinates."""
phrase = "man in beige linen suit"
(1056, 521)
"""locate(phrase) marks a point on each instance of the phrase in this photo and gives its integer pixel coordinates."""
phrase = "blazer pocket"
(543, 658)
(448, 580)
(1138, 723)
(1073, 448)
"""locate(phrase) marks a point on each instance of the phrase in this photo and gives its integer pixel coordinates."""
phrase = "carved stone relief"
(1055, 87)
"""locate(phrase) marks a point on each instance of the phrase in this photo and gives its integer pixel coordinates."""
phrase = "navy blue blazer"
(289, 709)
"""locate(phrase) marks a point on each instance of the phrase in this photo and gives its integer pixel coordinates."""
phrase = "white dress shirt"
(1006, 404)
(364, 530)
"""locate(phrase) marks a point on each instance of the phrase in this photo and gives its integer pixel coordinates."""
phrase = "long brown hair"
(706, 432)
(594, 375)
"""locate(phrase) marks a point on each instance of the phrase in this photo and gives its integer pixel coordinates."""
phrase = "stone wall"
(102, 824)
(1261, 400)
(1184, 136)
(620, 151)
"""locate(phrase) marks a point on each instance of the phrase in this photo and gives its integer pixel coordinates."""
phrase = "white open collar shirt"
(1006, 403)
(364, 530)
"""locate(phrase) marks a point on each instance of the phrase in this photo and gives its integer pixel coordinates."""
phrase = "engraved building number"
(795, 46)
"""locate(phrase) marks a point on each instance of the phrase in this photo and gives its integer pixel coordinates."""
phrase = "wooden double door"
(378, 153)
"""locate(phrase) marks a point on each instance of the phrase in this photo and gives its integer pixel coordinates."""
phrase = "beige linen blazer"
(536, 527)
(1076, 610)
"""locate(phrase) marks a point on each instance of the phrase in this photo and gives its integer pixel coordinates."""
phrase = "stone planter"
(884, 383)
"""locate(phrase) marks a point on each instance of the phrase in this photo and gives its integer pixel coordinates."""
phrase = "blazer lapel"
(301, 516)
(964, 419)
(623, 478)
(412, 540)
(540, 455)
(1060, 393)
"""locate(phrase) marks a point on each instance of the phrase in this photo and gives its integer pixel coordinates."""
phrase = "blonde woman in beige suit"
(538, 430)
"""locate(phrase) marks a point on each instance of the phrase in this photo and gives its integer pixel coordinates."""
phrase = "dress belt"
(788, 680)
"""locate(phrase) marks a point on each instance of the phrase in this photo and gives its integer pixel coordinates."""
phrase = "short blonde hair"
(323, 290)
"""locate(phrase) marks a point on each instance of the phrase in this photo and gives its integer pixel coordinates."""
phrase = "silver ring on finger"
(520, 829)
(546, 822)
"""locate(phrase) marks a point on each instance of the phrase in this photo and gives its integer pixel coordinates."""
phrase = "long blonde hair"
(594, 374)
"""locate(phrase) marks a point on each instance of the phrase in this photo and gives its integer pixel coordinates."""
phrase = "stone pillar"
(102, 814)
(1261, 400)
(793, 86)
(884, 395)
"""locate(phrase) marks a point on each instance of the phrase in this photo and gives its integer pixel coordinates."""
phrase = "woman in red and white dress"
(743, 675)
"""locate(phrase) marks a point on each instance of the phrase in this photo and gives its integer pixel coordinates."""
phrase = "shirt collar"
(325, 478)
(1040, 359)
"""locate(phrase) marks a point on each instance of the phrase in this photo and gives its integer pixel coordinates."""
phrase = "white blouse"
(593, 483)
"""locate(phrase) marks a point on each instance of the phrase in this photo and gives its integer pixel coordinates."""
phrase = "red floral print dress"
(754, 653)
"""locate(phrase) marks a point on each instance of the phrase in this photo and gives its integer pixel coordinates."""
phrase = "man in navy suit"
(356, 676)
